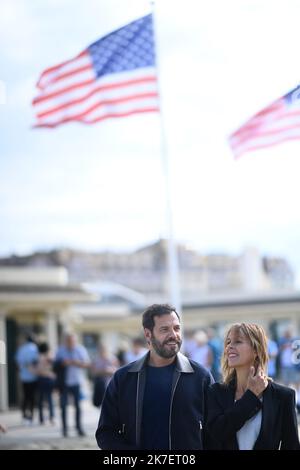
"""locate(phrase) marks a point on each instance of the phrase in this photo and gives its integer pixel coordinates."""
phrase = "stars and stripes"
(276, 123)
(113, 77)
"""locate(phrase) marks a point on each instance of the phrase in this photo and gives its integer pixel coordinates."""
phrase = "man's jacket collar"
(182, 364)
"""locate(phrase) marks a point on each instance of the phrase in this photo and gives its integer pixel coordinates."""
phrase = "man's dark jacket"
(279, 428)
(121, 414)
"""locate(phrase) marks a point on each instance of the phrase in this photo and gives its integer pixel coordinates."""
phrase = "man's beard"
(163, 350)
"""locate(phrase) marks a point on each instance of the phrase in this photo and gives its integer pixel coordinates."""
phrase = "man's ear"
(147, 334)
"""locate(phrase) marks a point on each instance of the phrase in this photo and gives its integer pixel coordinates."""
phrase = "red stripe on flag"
(276, 123)
(100, 103)
(102, 118)
(109, 86)
(59, 66)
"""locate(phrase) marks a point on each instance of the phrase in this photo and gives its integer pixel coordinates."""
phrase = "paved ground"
(19, 436)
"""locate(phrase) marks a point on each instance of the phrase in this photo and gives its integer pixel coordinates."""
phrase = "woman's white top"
(248, 434)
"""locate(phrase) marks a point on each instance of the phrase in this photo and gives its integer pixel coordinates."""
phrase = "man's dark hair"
(156, 310)
(43, 348)
(30, 337)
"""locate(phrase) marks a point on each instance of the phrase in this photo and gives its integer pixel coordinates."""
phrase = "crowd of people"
(44, 373)
(41, 372)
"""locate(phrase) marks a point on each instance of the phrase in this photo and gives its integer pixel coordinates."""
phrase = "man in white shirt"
(73, 358)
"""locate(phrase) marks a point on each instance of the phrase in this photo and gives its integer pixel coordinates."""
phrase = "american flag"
(113, 77)
(276, 123)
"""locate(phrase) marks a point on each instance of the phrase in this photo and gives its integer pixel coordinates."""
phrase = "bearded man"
(158, 401)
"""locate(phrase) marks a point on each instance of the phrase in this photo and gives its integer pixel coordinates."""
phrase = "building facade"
(33, 300)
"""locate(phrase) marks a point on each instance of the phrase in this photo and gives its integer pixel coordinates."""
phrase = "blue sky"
(101, 186)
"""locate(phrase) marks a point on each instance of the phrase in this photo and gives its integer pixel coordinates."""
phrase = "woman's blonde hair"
(257, 338)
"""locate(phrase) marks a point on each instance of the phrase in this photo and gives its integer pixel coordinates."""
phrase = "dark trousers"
(29, 391)
(45, 389)
(73, 390)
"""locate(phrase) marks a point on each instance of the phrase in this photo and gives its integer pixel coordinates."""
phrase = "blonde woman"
(248, 411)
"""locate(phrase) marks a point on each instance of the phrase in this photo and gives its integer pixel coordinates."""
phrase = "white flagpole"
(172, 255)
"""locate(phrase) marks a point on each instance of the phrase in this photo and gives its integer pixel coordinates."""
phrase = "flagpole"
(172, 254)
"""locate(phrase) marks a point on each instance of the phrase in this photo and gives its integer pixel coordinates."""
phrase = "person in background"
(103, 367)
(189, 343)
(46, 381)
(287, 368)
(158, 401)
(216, 345)
(121, 351)
(202, 353)
(73, 358)
(272, 354)
(27, 356)
(248, 411)
(137, 350)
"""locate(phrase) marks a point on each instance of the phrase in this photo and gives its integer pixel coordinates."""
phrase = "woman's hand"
(257, 382)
